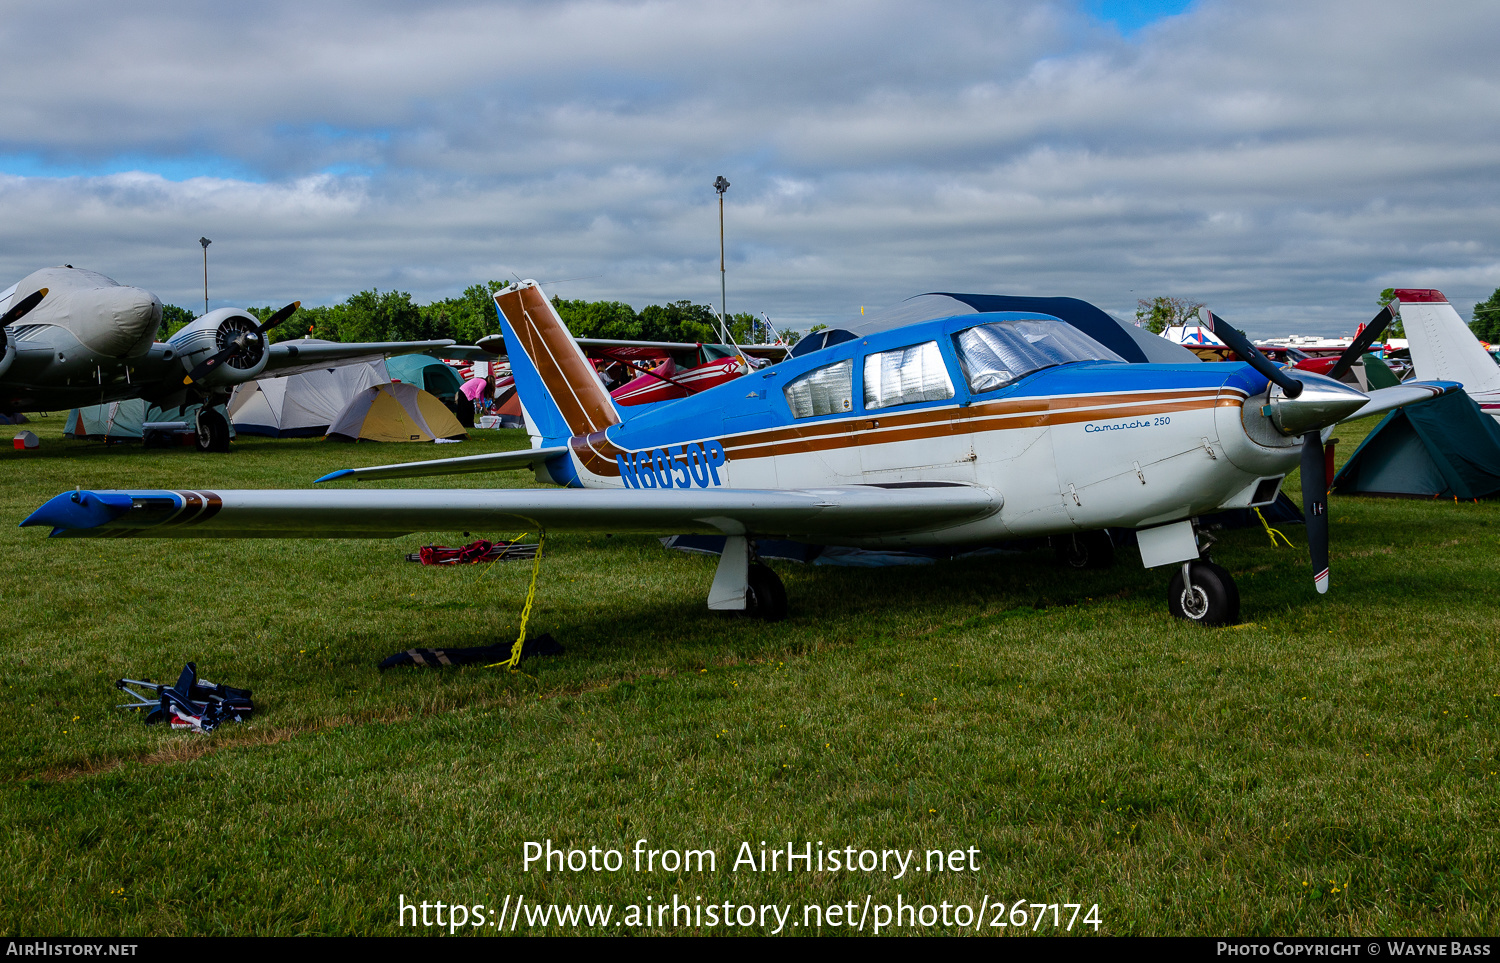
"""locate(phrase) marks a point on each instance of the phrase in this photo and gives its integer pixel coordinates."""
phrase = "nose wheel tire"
(766, 598)
(1208, 595)
(1084, 550)
(213, 431)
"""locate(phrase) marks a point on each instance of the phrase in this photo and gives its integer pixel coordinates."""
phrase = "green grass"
(1328, 767)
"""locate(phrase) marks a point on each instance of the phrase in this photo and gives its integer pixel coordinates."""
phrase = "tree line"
(375, 315)
(1157, 314)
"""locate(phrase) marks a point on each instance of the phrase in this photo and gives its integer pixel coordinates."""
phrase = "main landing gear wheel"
(1084, 550)
(213, 431)
(1208, 596)
(766, 598)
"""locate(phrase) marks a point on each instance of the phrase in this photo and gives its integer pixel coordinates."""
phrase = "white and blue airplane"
(938, 424)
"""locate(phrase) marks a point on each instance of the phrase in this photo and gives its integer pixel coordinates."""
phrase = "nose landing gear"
(1204, 593)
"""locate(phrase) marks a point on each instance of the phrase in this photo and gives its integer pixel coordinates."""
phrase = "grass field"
(1328, 767)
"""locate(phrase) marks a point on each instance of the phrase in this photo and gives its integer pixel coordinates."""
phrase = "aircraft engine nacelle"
(216, 332)
(7, 352)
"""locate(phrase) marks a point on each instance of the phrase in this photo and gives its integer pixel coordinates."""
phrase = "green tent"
(1446, 448)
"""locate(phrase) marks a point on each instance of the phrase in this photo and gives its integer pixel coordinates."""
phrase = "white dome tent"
(301, 405)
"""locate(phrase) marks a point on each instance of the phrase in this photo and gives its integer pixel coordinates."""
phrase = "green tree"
(1396, 330)
(173, 319)
(1158, 314)
(1486, 319)
(599, 319)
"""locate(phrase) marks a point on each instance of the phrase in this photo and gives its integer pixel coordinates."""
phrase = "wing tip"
(334, 475)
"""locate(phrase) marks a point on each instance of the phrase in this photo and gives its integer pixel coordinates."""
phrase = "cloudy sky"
(1282, 160)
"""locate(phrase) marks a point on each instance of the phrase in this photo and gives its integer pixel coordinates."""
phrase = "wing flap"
(850, 513)
(496, 461)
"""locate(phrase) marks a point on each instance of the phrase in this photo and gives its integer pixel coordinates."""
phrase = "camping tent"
(395, 412)
(301, 405)
(1447, 447)
(121, 420)
(435, 377)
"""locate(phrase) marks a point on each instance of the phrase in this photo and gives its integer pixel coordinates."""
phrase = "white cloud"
(1283, 161)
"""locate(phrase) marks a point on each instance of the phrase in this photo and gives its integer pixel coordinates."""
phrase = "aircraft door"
(912, 428)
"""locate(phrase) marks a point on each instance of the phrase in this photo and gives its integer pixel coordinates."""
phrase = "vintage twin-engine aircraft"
(962, 428)
(90, 341)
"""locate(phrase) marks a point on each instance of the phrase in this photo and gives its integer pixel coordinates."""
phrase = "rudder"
(559, 389)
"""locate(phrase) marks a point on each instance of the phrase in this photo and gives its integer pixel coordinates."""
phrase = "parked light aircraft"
(960, 427)
(90, 341)
(646, 372)
(1442, 346)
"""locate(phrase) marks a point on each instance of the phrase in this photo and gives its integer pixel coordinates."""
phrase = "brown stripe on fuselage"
(1029, 405)
(995, 416)
(596, 452)
(567, 375)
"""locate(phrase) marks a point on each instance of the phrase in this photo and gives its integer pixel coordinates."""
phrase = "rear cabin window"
(825, 391)
(994, 355)
(905, 376)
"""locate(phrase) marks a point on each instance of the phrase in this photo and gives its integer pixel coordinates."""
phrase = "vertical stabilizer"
(560, 391)
(1442, 346)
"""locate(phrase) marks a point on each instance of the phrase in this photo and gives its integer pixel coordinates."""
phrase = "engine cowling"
(216, 331)
(7, 351)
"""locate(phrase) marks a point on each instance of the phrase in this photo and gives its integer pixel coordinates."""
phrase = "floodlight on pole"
(205, 242)
(721, 185)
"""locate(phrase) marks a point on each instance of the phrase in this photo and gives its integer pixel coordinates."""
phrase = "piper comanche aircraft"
(88, 340)
(961, 428)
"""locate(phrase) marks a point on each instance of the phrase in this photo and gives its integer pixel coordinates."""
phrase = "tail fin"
(1442, 346)
(559, 389)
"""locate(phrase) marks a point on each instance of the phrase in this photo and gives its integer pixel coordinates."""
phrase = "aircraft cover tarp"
(301, 405)
(395, 412)
(1446, 448)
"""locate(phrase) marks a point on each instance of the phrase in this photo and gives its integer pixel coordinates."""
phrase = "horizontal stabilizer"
(852, 513)
(497, 461)
(1410, 393)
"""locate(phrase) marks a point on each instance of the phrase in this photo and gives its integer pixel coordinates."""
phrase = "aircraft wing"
(290, 359)
(1410, 393)
(811, 514)
(463, 352)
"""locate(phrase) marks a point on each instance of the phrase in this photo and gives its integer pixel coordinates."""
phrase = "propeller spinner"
(1305, 406)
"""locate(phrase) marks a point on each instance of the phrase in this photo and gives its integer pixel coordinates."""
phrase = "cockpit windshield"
(994, 355)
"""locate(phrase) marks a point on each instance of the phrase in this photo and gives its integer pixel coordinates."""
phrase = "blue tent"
(1446, 448)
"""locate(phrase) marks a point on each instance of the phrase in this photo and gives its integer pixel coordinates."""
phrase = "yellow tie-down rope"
(1271, 531)
(536, 566)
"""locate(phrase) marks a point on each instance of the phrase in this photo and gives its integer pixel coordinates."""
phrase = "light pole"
(721, 185)
(205, 242)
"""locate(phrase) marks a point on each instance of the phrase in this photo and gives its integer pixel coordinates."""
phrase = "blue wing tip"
(331, 476)
(78, 510)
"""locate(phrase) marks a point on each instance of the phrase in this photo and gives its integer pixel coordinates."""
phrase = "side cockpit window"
(826, 391)
(905, 376)
(994, 355)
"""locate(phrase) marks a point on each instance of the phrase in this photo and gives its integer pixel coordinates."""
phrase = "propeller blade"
(280, 316)
(206, 367)
(1248, 353)
(1366, 338)
(1315, 506)
(23, 307)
